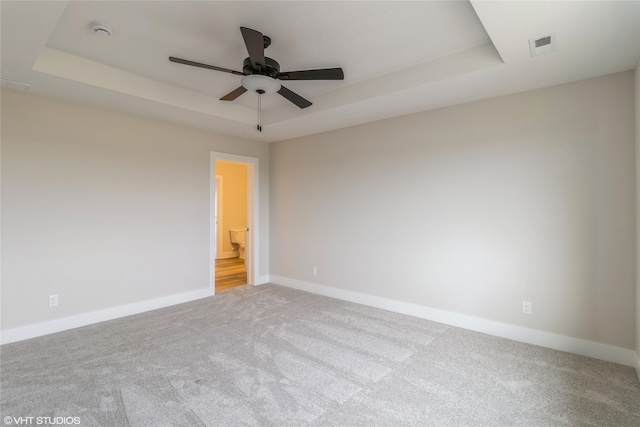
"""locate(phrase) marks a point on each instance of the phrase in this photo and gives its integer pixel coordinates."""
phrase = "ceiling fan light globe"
(257, 82)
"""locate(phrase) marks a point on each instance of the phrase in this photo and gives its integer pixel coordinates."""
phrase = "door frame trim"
(218, 218)
(252, 244)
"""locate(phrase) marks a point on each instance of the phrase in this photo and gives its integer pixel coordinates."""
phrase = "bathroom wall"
(474, 208)
(234, 202)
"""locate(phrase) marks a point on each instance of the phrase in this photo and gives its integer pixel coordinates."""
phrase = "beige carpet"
(273, 356)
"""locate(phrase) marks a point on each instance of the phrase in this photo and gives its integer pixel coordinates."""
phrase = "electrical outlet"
(53, 300)
(314, 271)
(526, 307)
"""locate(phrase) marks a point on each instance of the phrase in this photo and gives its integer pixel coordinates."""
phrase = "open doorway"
(233, 220)
(232, 224)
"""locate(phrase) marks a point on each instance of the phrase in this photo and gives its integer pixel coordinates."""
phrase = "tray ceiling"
(398, 57)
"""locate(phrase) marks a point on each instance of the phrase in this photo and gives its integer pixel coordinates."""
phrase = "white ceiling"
(398, 57)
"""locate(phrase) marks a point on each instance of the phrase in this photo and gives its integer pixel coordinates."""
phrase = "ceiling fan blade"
(322, 74)
(255, 46)
(234, 94)
(210, 67)
(294, 97)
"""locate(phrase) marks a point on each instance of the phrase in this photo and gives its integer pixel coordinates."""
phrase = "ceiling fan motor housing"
(271, 68)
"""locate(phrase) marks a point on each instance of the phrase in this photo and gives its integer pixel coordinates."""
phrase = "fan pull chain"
(259, 111)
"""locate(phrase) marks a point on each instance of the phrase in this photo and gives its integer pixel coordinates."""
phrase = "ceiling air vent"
(542, 45)
(14, 85)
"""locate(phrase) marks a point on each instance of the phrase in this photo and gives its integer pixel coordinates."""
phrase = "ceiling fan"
(262, 74)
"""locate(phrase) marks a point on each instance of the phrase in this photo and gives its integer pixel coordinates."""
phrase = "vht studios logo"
(53, 421)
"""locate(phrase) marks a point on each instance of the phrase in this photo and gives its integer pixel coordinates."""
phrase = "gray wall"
(637, 76)
(105, 209)
(474, 208)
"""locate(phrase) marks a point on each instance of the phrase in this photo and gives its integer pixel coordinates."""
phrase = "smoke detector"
(100, 29)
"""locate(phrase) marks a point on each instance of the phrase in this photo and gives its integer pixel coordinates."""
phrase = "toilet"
(238, 239)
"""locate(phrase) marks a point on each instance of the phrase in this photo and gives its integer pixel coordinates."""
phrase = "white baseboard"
(71, 322)
(263, 280)
(596, 350)
(637, 365)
